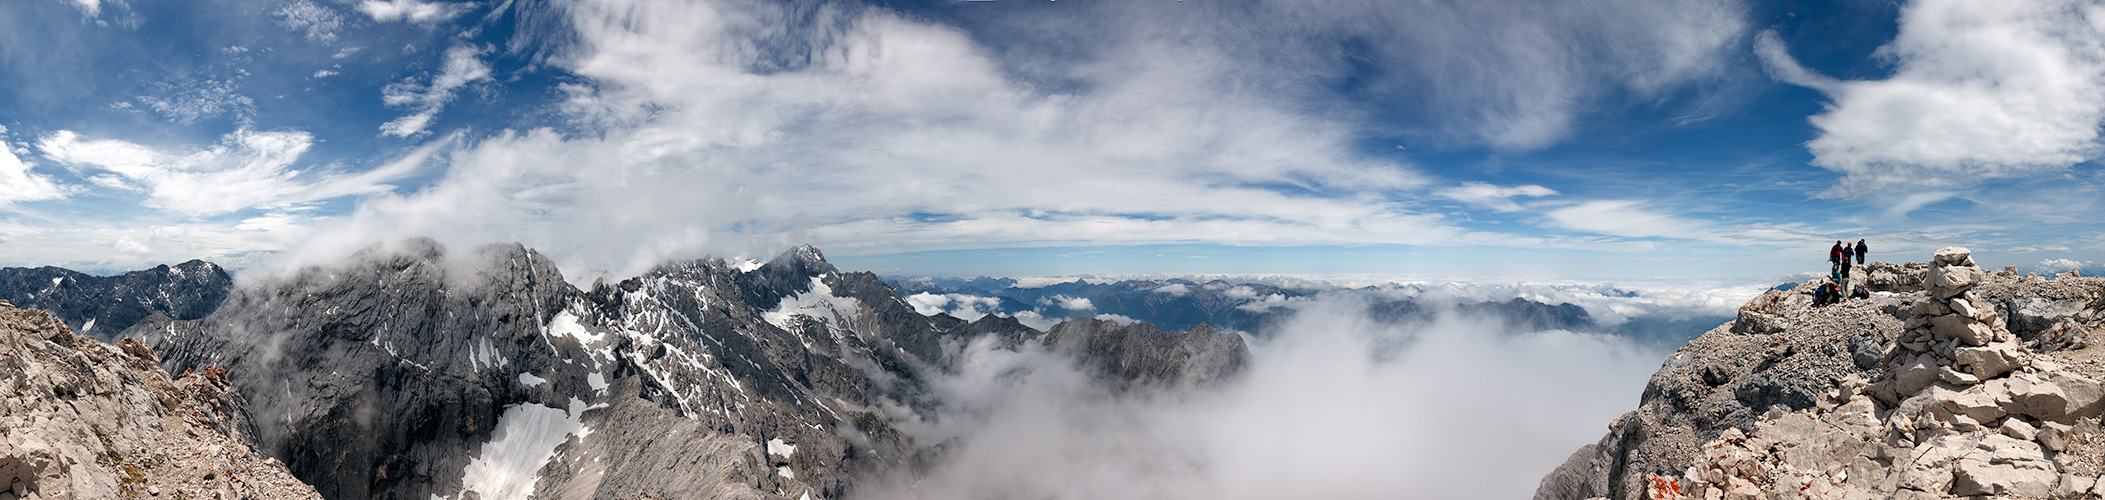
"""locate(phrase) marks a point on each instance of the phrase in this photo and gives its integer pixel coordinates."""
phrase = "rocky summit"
(1951, 381)
(85, 419)
(412, 372)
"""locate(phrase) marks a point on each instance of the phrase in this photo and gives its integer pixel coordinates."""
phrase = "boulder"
(2074, 486)
(1977, 405)
(1951, 256)
(1977, 477)
(1930, 308)
(1989, 361)
(2030, 396)
(2018, 429)
(2086, 397)
(1953, 278)
(2055, 435)
(1916, 375)
(1962, 307)
(1962, 328)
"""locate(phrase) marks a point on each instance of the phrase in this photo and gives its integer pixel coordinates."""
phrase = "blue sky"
(1626, 138)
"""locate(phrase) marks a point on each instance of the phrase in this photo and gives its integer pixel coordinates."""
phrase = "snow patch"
(785, 472)
(526, 437)
(566, 323)
(746, 265)
(89, 326)
(529, 380)
(57, 281)
(779, 448)
(597, 381)
(817, 302)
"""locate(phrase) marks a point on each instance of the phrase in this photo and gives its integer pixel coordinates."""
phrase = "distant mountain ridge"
(1252, 307)
(103, 306)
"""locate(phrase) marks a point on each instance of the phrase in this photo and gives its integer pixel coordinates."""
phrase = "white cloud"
(1120, 319)
(415, 11)
(90, 7)
(2057, 266)
(693, 132)
(188, 102)
(463, 67)
(1073, 303)
(1512, 73)
(246, 169)
(324, 73)
(1333, 406)
(963, 306)
(1268, 303)
(1494, 197)
(1174, 289)
(320, 23)
(1624, 218)
(1979, 90)
(19, 184)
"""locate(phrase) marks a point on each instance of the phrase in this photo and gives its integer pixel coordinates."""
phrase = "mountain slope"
(412, 373)
(93, 420)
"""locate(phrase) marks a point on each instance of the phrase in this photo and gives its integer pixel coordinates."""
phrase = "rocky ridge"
(93, 420)
(1953, 381)
(104, 306)
(409, 372)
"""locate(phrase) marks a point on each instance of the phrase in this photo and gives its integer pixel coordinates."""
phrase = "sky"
(1568, 139)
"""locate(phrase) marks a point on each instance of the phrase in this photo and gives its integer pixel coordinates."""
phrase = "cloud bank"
(1336, 406)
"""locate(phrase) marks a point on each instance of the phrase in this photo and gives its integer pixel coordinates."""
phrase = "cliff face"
(90, 420)
(1952, 381)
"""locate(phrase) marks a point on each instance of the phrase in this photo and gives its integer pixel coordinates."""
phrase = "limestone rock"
(93, 420)
(1952, 256)
(1953, 278)
(2055, 435)
(1979, 477)
(2038, 398)
(1989, 361)
(2018, 429)
(1963, 307)
(1961, 328)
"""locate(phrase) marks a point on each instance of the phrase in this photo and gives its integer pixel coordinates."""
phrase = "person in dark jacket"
(1847, 252)
(1861, 249)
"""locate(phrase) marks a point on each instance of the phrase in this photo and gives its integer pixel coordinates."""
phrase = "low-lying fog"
(1333, 405)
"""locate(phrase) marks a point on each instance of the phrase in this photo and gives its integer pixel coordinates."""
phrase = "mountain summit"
(1952, 381)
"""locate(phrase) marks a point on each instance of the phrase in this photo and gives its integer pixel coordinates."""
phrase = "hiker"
(1847, 252)
(1820, 296)
(1834, 255)
(1861, 249)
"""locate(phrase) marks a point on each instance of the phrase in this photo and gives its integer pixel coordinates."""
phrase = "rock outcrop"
(89, 420)
(1924, 391)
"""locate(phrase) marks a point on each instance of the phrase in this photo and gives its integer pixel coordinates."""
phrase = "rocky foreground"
(1951, 382)
(86, 419)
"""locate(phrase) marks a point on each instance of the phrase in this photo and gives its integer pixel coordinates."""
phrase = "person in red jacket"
(1834, 255)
